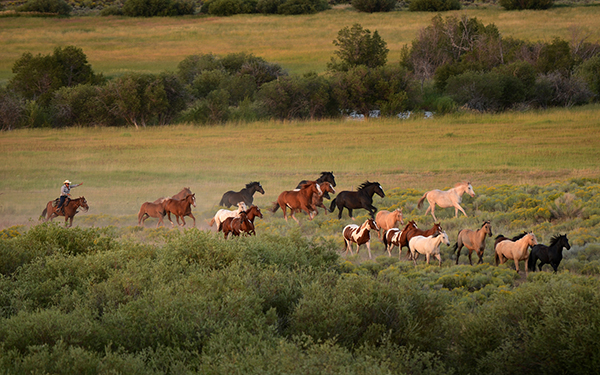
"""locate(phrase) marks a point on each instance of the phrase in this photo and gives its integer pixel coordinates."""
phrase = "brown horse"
(70, 210)
(180, 208)
(150, 209)
(252, 213)
(317, 200)
(515, 250)
(179, 196)
(448, 198)
(297, 200)
(391, 238)
(237, 225)
(473, 240)
(387, 220)
(359, 235)
(411, 230)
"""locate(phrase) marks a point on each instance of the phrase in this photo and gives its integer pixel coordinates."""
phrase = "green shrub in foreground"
(433, 5)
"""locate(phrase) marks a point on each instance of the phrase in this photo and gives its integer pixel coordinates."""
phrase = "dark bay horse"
(473, 240)
(180, 208)
(548, 254)
(411, 229)
(237, 225)
(71, 209)
(297, 200)
(151, 209)
(362, 198)
(325, 177)
(246, 195)
(179, 196)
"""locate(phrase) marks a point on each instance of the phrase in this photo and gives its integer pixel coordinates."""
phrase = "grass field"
(123, 167)
(115, 45)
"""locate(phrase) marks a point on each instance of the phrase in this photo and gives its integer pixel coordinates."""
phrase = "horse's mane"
(485, 222)
(250, 184)
(462, 183)
(326, 173)
(366, 184)
(554, 240)
(519, 236)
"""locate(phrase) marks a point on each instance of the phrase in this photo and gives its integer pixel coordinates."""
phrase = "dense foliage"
(60, 7)
(526, 4)
(433, 5)
(98, 300)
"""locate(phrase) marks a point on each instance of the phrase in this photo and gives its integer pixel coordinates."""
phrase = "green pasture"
(115, 45)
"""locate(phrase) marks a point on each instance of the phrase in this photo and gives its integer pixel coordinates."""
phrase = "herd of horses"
(308, 197)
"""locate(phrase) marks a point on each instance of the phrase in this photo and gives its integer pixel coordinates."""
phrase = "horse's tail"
(212, 222)
(532, 260)
(496, 257)
(275, 207)
(43, 215)
(332, 205)
(385, 243)
(454, 247)
(420, 204)
(220, 228)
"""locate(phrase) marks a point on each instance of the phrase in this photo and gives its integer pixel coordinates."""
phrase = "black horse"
(362, 198)
(325, 176)
(232, 198)
(548, 254)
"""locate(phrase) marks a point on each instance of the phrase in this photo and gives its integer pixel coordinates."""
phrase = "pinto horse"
(317, 200)
(151, 209)
(362, 198)
(179, 196)
(516, 250)
(473, 240)
(359, 235)
(387, 220)
(428, 246)
(180, 208)
(411, 230)
(448, 198)
(237, 225)
(548, 254)
(223, 214)
(246, 195)
(297, 200)
(325, 177)
(391, 238)
(70, 210)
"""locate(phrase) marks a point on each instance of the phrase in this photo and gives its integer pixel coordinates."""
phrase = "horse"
(246, 195)
(297, 200)
(448, 198)
(473, 240)
(180, 208)
(317, 200)
(427, 245)
(223, 214)
(391, 238)
(70, 210)
(411, 230)
(359, 235)
(237, 225)
(325, 177)
(362, 198)
(252, 213)
(516, 250)
(387, 220)
(150, 209)
(548, 254)
(179, 196)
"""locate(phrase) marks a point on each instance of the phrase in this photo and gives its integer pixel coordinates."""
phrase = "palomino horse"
(223, 214)
(70, 210)
(428, 246)
(411, 230)
(150, 209)
(237, 225)
(317, 200)
(448, 198)
(548, 254)
(516, 250)
(180, 208)
(362, 198)
(325, 177)
(473, 240)
(179, 196)
(359, 235)
(298, 200)
(387, 220)
(246, 195)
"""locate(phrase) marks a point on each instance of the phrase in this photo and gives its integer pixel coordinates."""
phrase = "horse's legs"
(480, 254)
(348, 246)
(369, 249)
(182, 221)
(171, 221)
(340, 212)
(458, 249)
(517, 264)
(192, 216)
(294, 217)
(427, 256)
(470, 261)
(439, 258)
(350, 214)
(432, 207)
(458, 207)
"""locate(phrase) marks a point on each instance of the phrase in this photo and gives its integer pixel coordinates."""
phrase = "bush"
(13, 109)
(526, 4)
(112, 10)
(589, 72)
(46, 6)
(554, 89)
(291, 7)
(372, 6)
(77, 106)
(268, 6)
(433, 5)
(154, 8)
(478, 91)
(228, 7)
(358, 47)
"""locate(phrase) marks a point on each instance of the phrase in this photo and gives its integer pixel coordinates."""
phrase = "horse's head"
(326, 187)
(445, 239)
(242, 206)
(531, 239)
(256, 186)
(328, 176)
(561, 240)
(379, 190)
(372, 225)
(191, 199)
(398, 213)
(487, 225)
(438, 228)
(470, 190)
(255, 211)
(83, 204)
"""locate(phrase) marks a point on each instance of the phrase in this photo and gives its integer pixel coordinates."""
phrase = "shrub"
(190, 67)
(433, 5)
(372, 6)
(268, 6)
(79, 105)
(112, 10)
(291, 7)
(154, 8)
(13, 109)
(478, 91)
(47, 6)
(554, 89)
(228, 7)
(589, 72)
(555, 57)
(358, 47)
(526, 4)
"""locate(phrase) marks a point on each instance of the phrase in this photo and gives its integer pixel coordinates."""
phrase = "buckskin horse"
(548, 254)
(448, 198)
(180, 208)
(297, 200)
(473, 240)
(362, 198)
(246, 195)
(359, 235)
(70, 210)
(387, 220)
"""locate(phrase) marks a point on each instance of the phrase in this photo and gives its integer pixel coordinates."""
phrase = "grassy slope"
(115, 45)
(122, 168)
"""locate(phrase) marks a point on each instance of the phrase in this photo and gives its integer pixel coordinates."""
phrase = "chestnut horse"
(151, 209)
(70, 211)
(179, 196)
(387, 220)
(252, 213)
(515, 250)
(359, 235)
(473, 240)
(246, 195)
(324, 177)
(180, 208)
(237, 225)
(297, 200)
(411, 230)
(362, 198)
(317, 200)
(428, 246)
(448, 198)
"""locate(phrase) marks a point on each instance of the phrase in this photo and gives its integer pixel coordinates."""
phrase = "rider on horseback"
(65, 192)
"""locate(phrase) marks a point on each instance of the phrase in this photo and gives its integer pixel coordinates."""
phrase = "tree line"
(454, 63)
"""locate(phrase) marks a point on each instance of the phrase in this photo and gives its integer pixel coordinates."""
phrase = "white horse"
(359, 235)
(447, 198)
(428, 246)
(223, 214)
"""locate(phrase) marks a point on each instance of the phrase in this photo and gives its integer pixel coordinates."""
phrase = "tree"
(358, 47)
